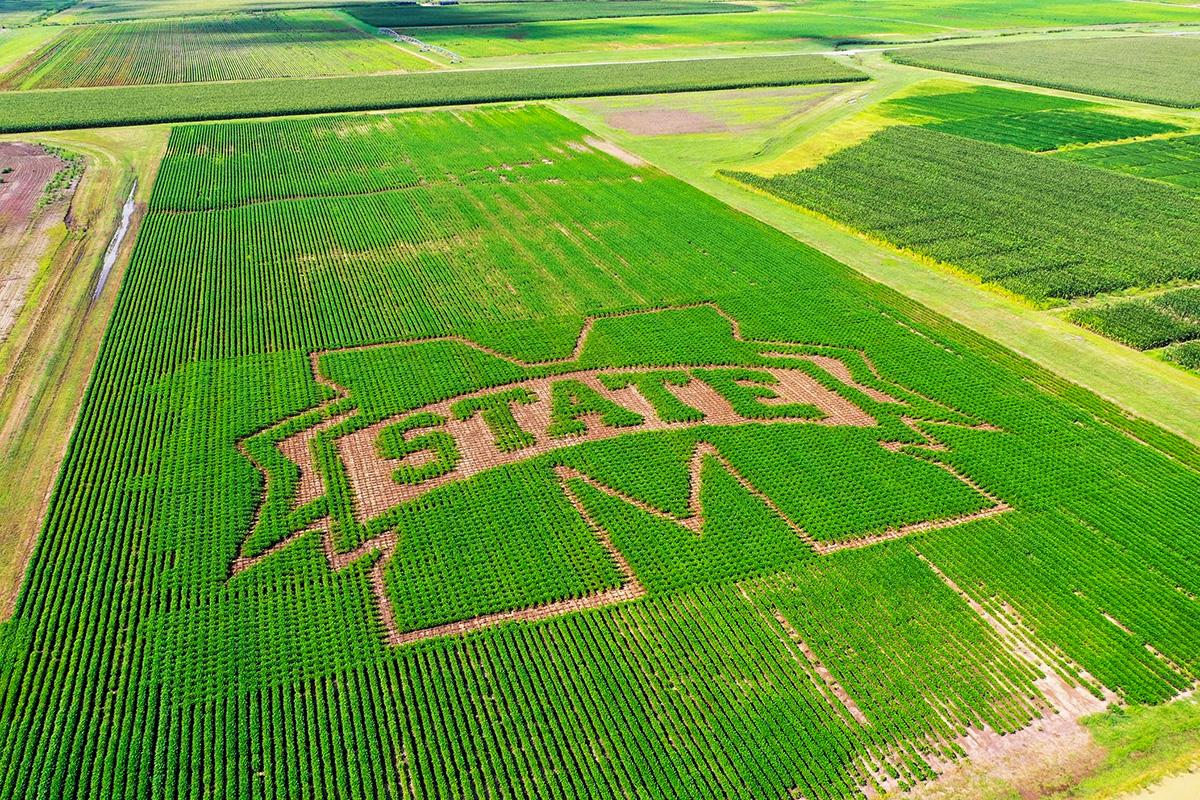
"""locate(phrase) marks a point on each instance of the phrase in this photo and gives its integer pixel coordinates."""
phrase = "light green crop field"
(778, 525)
(291, 43)
(1167, 71)
(24, 12)
(640, 33)
(944, 14)
(90, 11)
(830, 22)
(16, 43)
(1002, 14)
(1040, 227)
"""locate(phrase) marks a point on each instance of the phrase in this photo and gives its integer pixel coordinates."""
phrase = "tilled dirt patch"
(658, 121)
(31, 169)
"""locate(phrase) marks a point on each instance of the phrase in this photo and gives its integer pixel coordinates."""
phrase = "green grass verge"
(1144, 744)
(134, 105)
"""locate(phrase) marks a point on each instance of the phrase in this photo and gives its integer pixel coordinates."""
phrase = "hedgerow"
(139, 105)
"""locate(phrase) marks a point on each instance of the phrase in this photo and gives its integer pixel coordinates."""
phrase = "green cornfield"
(1043, 227)
(1166, 66)
(1174, 159)
(130, 105)
(1146, 323)
(428, 455)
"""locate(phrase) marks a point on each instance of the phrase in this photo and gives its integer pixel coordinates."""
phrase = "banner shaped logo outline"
(836, 382)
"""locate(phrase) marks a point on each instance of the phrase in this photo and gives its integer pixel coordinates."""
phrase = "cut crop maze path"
(715, 411)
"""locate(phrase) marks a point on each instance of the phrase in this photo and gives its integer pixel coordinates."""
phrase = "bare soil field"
(25, 224)
(31, 169)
